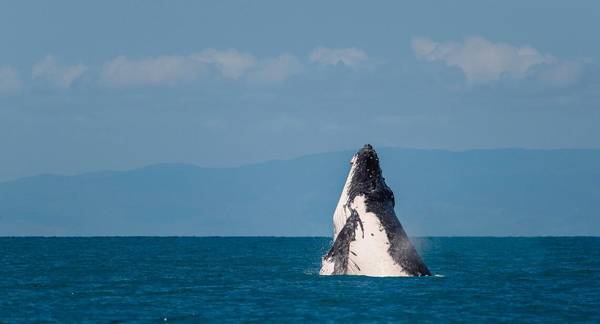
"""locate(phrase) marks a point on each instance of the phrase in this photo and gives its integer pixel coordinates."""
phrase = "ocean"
(189, 279)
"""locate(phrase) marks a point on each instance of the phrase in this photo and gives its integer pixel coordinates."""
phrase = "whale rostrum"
(368, 238)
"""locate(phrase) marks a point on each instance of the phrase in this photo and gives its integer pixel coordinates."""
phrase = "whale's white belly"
(369, 251)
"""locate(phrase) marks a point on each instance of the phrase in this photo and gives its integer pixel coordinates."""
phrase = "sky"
(122, 84)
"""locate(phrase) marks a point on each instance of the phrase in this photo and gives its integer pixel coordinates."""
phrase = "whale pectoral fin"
(340, 250)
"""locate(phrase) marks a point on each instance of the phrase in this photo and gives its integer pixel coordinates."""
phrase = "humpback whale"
(368, 238)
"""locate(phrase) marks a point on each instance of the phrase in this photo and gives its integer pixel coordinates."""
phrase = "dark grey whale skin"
(379, 198)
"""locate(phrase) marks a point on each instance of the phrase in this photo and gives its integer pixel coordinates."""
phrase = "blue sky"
(121, 84)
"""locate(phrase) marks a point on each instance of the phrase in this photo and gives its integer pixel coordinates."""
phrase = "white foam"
(327, 267)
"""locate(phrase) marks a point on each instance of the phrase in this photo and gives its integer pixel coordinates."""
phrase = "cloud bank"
(483, 61)
(124, 72)
(168, 70)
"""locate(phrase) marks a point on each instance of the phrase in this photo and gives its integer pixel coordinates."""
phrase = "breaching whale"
(368, 238)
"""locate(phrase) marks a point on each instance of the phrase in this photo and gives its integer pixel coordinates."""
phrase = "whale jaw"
(368, 237)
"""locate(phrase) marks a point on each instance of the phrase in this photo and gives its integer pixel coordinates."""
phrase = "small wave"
(439, 276)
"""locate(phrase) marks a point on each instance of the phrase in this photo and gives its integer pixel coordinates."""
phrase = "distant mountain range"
(479, 192)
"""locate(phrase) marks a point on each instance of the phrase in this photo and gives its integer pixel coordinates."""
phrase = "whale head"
(366, 179)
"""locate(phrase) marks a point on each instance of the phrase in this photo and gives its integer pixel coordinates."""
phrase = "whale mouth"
(366, 152)
(367, 159)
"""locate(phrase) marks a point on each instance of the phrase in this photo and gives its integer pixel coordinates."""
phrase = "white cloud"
(351, 57)
(9, 81)
(62, 77)
(276, 70)
(231, 63)
(123, 72)
(480, 60)
(169, 70)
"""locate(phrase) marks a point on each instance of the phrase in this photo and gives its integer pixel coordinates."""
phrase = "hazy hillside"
(483, 192)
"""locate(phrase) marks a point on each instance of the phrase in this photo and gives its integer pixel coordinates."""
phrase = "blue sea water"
(276, 279)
